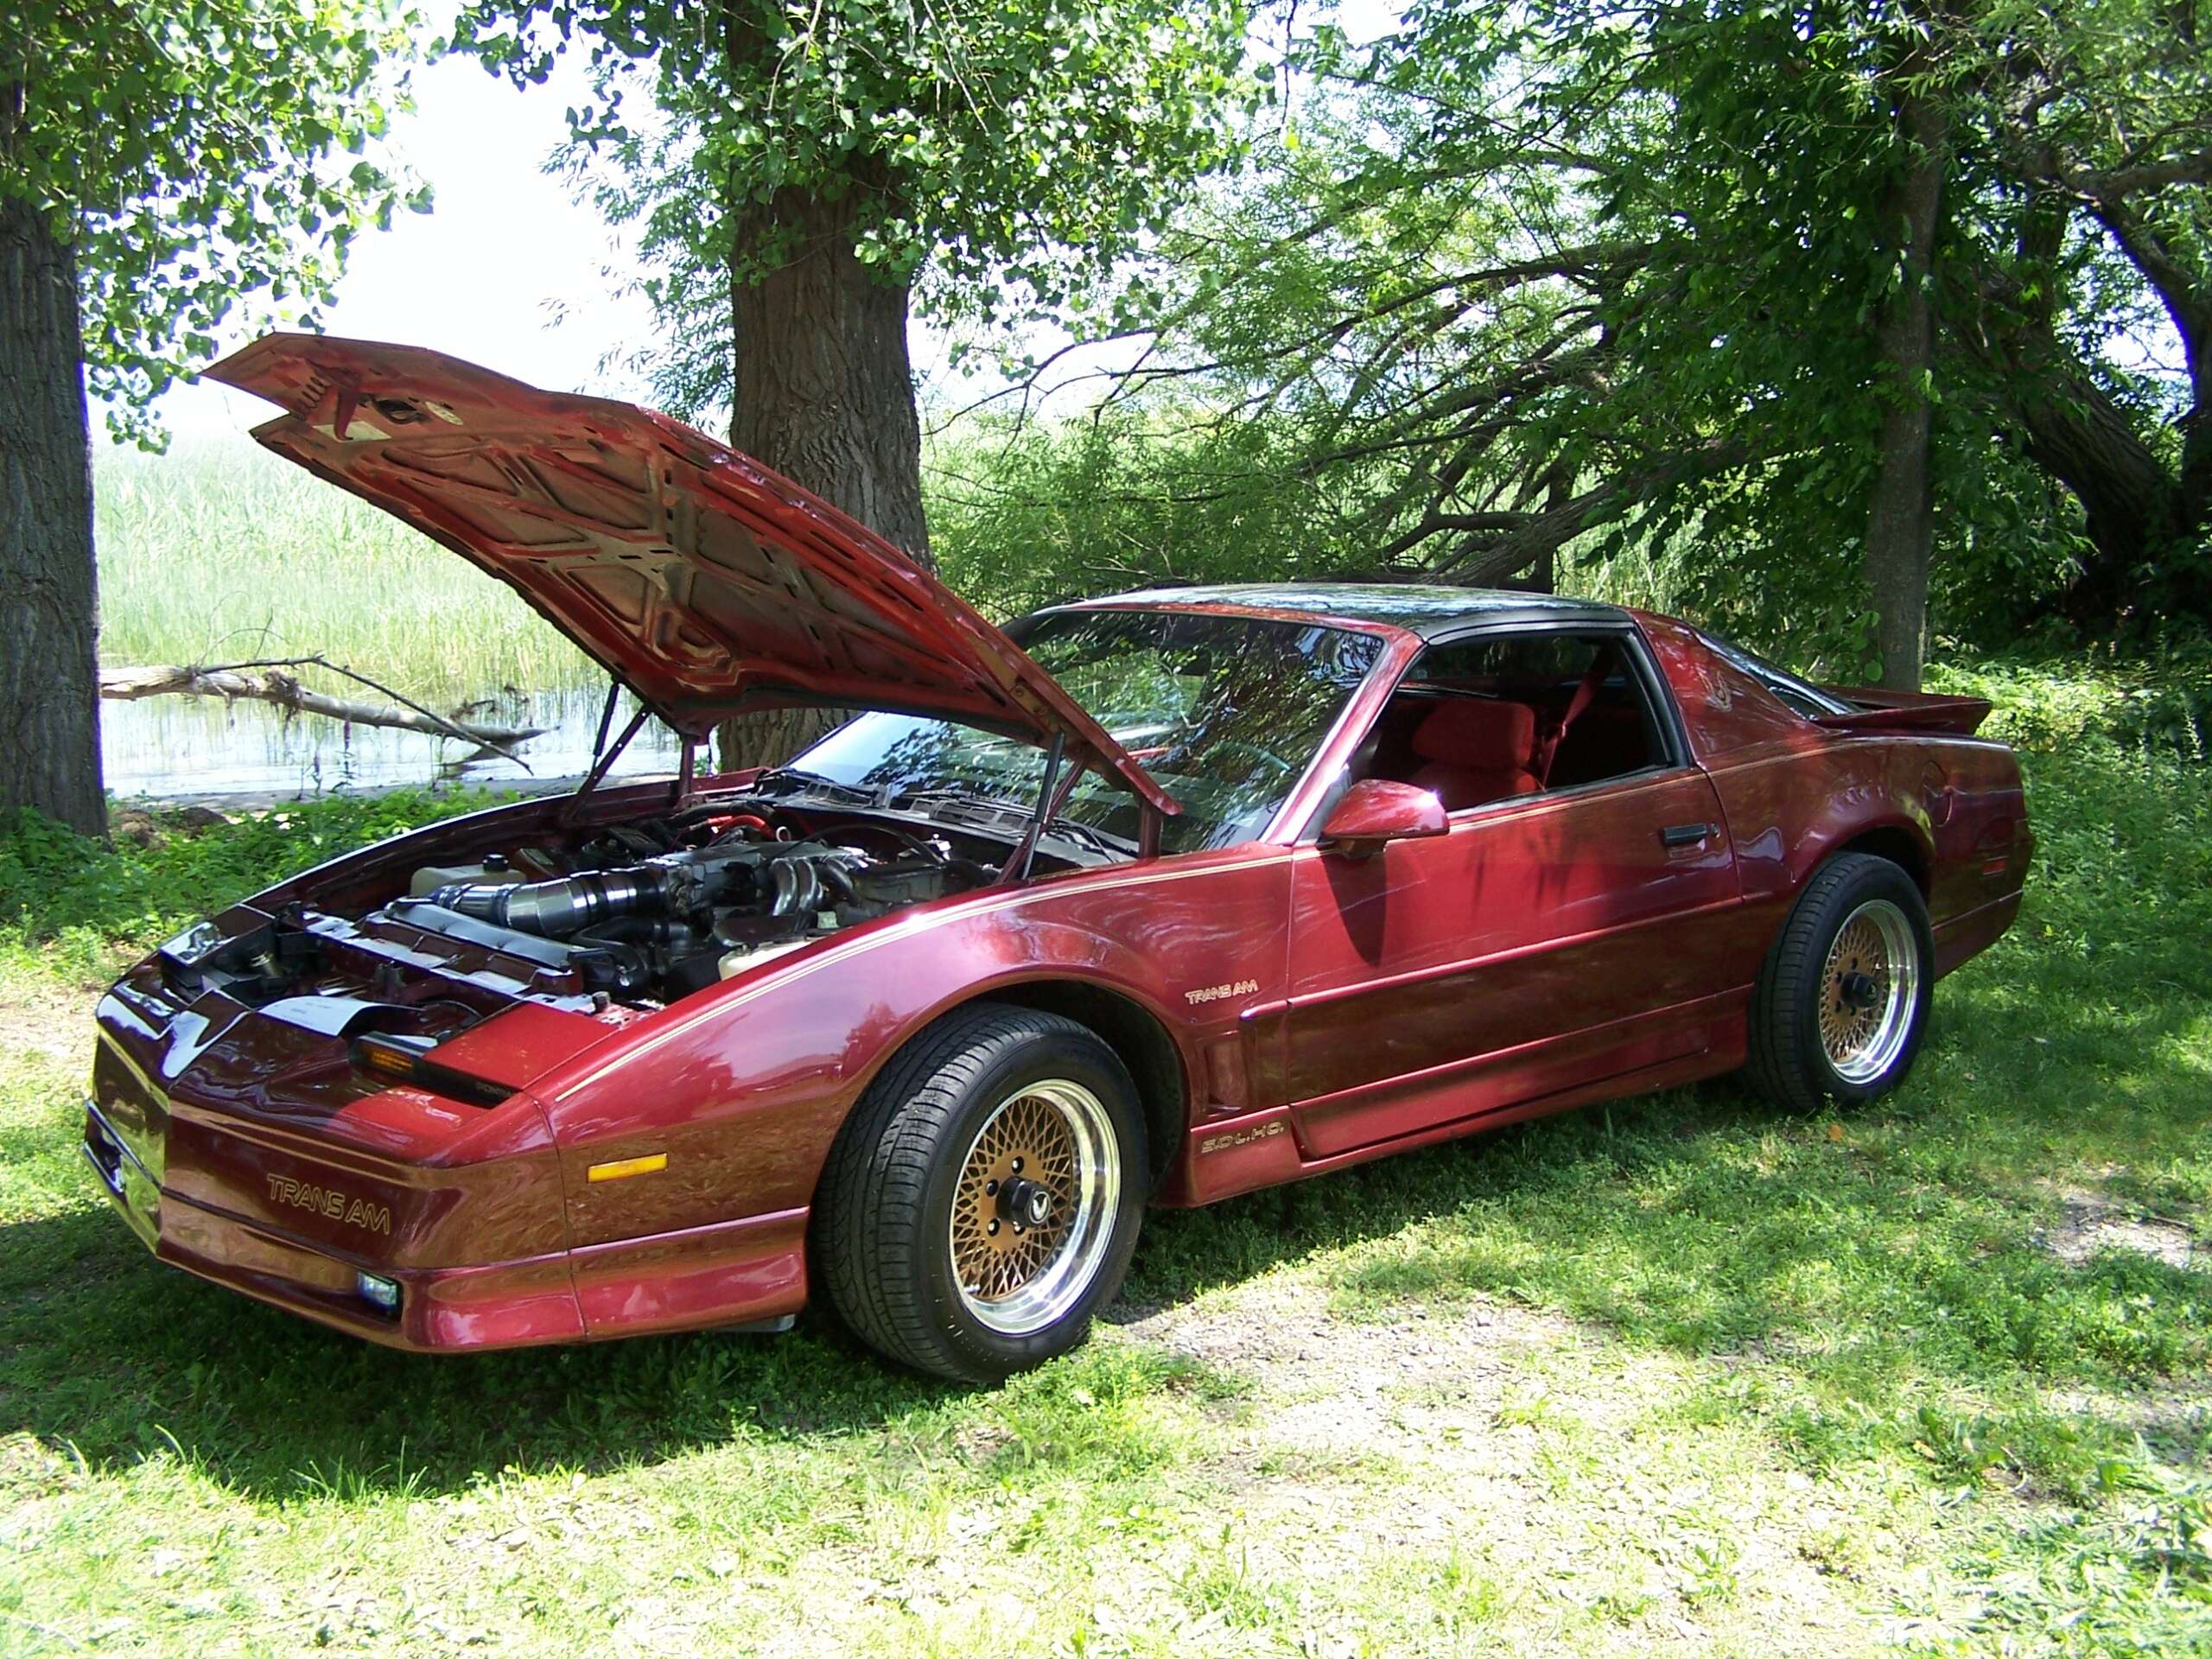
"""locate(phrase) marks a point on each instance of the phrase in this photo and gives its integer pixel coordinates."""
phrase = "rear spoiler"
(1877, 709)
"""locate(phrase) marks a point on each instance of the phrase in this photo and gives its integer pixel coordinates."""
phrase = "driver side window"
(1501, 715)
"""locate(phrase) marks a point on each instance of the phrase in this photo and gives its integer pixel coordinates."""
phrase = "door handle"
(1687, 835)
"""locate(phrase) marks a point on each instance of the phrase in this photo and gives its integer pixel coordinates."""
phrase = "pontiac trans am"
(1143, 900)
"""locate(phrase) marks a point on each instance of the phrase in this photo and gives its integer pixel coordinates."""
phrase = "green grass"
(1679, 1373)
(219, 552)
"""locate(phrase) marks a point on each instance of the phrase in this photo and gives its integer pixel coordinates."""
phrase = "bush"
(57, 886)
(2162, 704)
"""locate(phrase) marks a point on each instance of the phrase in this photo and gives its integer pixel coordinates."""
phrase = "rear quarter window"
(1799, 696)
(1726, 706)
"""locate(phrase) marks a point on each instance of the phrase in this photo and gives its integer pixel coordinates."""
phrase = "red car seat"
(1475, 750)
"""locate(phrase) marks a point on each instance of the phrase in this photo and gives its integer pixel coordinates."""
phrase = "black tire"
(1789, 1062)
(883, 1215)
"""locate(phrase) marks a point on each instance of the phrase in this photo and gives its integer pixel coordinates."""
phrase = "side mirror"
(1375, 810)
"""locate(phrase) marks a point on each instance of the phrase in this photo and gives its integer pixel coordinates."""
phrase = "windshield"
(1225, 711)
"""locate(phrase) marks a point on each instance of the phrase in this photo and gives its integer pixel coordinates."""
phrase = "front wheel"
(1842, 1001)
(983, 1199)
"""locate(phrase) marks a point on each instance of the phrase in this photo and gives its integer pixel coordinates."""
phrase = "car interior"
(1501, 715)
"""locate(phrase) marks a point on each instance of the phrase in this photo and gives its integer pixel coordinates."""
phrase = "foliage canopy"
(1011, 152)
(194, 154)
(1540, 278)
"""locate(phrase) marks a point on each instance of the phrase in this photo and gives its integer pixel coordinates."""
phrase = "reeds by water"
(220, 552)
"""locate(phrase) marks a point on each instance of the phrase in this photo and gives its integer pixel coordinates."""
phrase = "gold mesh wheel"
(1034, 1210)
(1868, 989)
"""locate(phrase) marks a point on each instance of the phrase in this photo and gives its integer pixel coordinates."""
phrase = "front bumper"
(748, 1272)
(499, 1305)
(250, 1150)
(135, 1189)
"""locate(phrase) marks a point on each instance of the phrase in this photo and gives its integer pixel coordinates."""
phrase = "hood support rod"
(574, 810)
(686, 772)
(605, 718)
(1017, 867)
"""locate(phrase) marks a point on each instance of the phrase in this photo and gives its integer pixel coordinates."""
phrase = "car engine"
(643, 916)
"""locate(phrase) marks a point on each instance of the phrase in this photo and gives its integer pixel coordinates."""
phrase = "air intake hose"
(564, 906)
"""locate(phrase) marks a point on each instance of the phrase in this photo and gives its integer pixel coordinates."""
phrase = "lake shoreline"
(232, 802)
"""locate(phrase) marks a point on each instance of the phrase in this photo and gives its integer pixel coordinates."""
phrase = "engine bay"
(618, 918)
(651, 911)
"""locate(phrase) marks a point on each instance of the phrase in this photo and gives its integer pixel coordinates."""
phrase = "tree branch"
(267, 681)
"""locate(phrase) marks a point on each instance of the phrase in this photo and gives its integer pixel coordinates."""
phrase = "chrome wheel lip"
(1866, 1055)
(1049, 1295)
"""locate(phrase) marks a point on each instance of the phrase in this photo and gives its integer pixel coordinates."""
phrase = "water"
(166, 748)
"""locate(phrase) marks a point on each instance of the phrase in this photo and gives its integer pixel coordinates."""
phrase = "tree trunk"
(2145, 524)
(825, 393)
(49, 708)
(1901, 523)
(2145, 529)
(2078, 435)
(1542, 577)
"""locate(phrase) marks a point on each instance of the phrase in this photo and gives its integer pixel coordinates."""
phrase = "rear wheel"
(1841, 1002)
(983, 1199)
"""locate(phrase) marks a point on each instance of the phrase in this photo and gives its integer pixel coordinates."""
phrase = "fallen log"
(270, 682)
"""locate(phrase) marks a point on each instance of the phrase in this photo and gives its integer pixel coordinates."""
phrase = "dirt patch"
(1284, 1336)
(2091, 1221)
(45, 1025)
(141, 826)
(2175, 1417)
(1537, 1452)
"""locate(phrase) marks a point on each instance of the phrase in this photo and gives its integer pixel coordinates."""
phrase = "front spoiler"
(748, 1271)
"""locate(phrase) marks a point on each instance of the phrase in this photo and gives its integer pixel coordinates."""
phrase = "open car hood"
(705, 582)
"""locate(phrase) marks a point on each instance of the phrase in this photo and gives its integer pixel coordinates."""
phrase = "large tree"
(1782, 297)
(2094, 150)
(157, 161)
(797, 169)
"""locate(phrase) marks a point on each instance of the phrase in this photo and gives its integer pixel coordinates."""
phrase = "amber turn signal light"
(622, 1167)
(404, 1059)
(394, 1057)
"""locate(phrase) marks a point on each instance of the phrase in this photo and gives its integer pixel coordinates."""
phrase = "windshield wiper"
(1074, 830)
(1021, 812)
(798, 779)
(994, 807)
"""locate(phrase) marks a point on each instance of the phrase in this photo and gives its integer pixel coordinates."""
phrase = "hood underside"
(708, 584)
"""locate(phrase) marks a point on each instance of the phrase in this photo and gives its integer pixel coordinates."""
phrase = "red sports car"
(1149, 900)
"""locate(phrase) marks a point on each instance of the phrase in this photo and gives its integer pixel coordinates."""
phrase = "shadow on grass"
(108, 1352)
(117, 1356)
(1697, 1220)
(1880, 1257)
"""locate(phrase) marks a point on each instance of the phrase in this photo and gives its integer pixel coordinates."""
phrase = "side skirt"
(1243, 1155)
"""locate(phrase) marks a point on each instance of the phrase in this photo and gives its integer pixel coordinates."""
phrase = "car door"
(1546, 941)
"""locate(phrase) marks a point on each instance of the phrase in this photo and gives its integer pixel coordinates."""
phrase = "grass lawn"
(1681, 1374)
